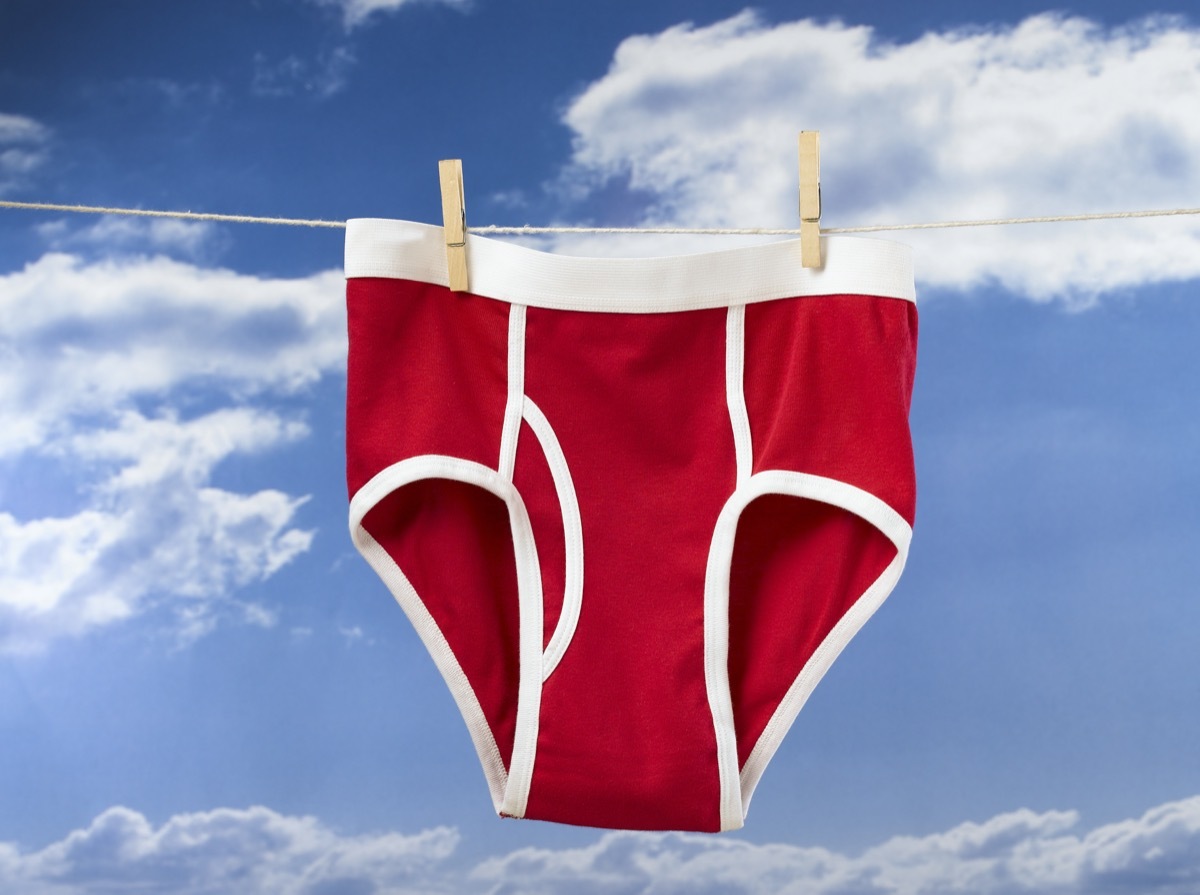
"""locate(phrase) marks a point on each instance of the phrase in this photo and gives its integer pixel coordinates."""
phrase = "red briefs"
(634, 507)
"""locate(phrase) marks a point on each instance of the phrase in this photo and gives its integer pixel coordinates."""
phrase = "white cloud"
(85, 339)
(154, 529)
(19, 129)
(515, 199)
(22, 149)
(258, 850)
(113, 234)
(232, 851)
(1054, 115)
(1020, 852)
(353, 634)
(356, 12)
(322, 78)
(97, 359)
(191, 97)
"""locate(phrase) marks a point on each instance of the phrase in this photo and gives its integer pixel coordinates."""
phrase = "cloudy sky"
(202, 686)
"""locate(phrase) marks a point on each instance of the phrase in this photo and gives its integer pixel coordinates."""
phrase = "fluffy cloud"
(22, 149)
(19, 129)
(1020, 852)
(356, 12)
(153, 528)
(1054, 115)
(113, 234)
(98, 359)
(84, 339)
(235, 852)
(257, 850)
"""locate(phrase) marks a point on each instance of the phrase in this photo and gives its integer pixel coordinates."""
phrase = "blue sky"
(202, 686)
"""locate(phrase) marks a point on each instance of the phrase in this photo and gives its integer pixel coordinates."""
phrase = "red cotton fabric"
(625, 730)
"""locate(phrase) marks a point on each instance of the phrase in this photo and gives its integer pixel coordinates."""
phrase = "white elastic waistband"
(411, 251)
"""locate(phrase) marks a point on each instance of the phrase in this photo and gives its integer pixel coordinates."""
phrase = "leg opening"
(798, 564)
(453, 543)
(798, 568)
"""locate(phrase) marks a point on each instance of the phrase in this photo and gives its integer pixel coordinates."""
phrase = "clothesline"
(527, 230)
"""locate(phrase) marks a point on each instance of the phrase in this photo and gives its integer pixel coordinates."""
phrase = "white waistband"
(411, 251)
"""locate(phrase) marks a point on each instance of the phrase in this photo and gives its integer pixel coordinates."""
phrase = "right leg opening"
(445, 549)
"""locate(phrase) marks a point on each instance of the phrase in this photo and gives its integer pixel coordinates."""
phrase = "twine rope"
(527, 230)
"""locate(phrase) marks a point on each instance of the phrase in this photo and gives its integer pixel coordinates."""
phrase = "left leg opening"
(798, 567)
(811, 559)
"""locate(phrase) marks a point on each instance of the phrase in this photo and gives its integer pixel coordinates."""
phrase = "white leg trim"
(738, 787)
(443, 658)
(510, 790)
(572, 538)
(735, 361)
(516, 391)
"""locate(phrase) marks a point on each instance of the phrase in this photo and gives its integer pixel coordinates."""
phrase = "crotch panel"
(554, 511)
(544, 478)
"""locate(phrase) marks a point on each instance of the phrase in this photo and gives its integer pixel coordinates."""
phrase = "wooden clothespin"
(454, 221)
(810, 199)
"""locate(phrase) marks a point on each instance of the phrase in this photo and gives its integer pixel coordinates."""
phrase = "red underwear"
(634, 508)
